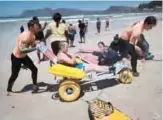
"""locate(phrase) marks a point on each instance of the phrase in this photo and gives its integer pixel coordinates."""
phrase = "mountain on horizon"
(70, 11)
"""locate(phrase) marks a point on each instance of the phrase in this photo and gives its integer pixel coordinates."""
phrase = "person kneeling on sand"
(25, 43)
(142, 48)
(66, 59)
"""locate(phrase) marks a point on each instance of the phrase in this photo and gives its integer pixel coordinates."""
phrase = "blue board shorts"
(80, 66)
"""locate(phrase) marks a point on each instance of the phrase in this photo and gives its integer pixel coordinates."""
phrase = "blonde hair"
(62, 45)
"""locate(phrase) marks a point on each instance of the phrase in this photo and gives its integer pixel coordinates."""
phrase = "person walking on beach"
(106, 24)
(82, 29)
(130, 36)
(21, 29)
(98, 25)
(40, 37)
(25, 43)
(57, 31)
(71, 34)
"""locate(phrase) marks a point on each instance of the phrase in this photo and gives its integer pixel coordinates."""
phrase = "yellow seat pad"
(66, 71)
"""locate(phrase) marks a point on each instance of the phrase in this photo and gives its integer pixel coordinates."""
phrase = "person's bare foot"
(10, 93)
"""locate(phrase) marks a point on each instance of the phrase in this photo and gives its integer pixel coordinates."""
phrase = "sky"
(12, 8)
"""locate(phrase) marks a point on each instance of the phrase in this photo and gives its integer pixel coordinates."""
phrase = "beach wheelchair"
(70, 86)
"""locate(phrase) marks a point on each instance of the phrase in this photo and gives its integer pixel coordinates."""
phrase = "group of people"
(98, 25)
(26, 42)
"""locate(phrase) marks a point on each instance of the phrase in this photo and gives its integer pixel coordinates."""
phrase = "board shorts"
(80, 66)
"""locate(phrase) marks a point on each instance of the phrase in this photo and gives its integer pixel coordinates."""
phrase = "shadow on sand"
(101, 84)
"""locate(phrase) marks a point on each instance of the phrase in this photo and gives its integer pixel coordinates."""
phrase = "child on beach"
(40, 37)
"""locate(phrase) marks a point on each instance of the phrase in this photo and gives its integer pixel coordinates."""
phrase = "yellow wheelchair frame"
(69, 88)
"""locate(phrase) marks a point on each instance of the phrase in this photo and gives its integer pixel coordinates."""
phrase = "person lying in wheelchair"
(106, 55)
(65, 59)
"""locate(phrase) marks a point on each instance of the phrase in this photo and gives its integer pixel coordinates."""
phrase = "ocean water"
(10, 28)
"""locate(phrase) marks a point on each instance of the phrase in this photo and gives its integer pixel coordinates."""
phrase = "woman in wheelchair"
(66, 59)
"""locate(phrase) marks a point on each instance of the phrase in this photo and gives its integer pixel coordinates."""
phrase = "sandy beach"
(140, 100)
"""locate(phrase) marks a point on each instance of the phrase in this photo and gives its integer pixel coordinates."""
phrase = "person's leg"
(80, 33)
(72, 41)
(44, 56)
(29, 63)
(98, 30)
(123, 47)
(139, 52)
(38, 56)
(134, 58)
(55, 47)
(68, 39)
(84, 37)
(16, 64)
(95, 67)
(146, 47)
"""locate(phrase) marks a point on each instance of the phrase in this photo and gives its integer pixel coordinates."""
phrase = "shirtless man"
(25, 43)
(130, 37)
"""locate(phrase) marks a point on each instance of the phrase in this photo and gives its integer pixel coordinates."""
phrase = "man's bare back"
(24, 40)
(133, 32)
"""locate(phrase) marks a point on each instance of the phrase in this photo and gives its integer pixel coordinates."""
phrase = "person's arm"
(27, 50)
(65, 59)
(24, 49)
(47, 34)
(45, 24)
(24, 46)
(90, 50)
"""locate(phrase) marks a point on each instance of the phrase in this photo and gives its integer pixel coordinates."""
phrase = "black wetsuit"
(16, 65)
(82, 30)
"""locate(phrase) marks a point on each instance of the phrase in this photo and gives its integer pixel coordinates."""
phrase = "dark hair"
(142, 36)
(63, 21)
(57, 18)
(102, 43)
(150, 20)
(116, 37)
(35, 18)
(31, 23)
(79, 21)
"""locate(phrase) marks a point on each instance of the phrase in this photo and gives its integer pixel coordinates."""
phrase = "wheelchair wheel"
(69, 91)
(125, 77)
